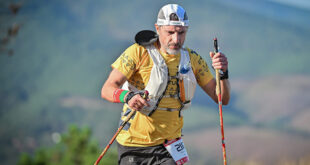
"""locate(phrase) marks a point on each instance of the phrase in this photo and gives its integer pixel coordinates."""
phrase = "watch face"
(224, 75)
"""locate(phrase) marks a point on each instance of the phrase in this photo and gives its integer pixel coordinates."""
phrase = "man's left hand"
(219, 61)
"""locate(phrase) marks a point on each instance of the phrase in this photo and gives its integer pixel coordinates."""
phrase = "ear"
(157, 28)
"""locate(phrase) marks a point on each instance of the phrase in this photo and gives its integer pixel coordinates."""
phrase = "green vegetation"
(73, 148)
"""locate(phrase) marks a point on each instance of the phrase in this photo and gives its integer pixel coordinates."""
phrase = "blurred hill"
(268, 123)
(63, 51)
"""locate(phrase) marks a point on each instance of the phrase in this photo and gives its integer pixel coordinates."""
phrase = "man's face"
(171, 38)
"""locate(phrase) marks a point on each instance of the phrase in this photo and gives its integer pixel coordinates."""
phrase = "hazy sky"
(298, 3)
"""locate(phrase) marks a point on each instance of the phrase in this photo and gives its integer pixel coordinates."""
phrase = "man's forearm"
(225, 86)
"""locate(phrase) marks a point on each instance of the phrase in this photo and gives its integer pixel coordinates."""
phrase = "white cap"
(172, 14)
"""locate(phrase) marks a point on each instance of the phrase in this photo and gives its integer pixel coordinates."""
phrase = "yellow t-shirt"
(136, 65)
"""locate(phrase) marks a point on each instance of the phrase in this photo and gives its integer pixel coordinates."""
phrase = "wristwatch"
(224, 75)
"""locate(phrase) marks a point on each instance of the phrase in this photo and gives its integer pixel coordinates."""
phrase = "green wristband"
(122, 96)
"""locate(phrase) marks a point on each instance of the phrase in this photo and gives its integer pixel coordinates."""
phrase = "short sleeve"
(128, 61)
(201, 69)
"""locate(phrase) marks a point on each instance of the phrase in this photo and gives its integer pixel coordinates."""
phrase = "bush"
(74, 148)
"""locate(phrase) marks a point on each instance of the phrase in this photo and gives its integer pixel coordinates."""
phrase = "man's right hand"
(137, 102)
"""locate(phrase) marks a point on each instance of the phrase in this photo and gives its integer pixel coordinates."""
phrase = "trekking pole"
(219, 97)
(132, 113)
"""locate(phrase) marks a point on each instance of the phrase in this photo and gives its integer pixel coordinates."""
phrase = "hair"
(174, 17)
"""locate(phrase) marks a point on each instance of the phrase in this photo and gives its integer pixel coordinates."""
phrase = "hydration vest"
(159, 79)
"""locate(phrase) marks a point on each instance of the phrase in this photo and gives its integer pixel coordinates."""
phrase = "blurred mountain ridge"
(282, 12)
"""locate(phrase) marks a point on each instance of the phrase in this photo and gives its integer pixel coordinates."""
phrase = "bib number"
(177, 150)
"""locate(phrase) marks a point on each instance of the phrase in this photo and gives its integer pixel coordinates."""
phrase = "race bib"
(177, 150)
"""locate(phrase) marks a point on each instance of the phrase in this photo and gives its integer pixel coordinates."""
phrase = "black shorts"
(155, 155)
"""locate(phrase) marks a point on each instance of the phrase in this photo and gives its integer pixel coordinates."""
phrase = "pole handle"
(217, 71)
(216, 48)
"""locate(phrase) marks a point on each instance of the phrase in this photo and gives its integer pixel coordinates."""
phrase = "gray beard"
(172, 51)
